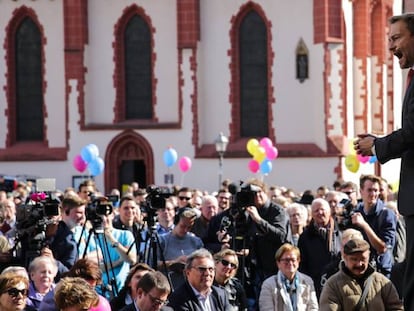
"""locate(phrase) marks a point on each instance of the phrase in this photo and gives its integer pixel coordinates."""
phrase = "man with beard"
(198, 292)
(357, 286)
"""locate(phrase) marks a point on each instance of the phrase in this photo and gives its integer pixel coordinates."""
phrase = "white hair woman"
(42, 272)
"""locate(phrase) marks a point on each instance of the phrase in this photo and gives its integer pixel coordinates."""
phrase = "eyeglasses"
(204, 269)
(228, 263)
(157, 301)
(348, 192)
(286, 260)
(184, 198)
(14, 292)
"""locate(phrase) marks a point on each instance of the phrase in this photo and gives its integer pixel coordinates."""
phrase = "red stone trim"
(128, 145)
(119, 74)
(18, 16)
(22, 151)
(188, 23)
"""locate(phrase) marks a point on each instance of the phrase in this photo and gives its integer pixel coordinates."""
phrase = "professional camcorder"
(33, 217)
(157, 196)
(99, 207)
(245, 197)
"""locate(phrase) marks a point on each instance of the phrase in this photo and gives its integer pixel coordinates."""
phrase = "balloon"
(266, 142)
(89, 153)
(362, 159)
(103, 305)
(96, 167)
(170, 157)
(260, 154)
(184, 164)
(372, 159)
(272, 153)
(254, 166)
(266, 167)
(252, 146)
(79, 164)
(352, 163)
(351, 147)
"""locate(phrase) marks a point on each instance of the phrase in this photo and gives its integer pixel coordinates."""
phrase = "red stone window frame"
(119, 75)
(237, 145)
(24, 151)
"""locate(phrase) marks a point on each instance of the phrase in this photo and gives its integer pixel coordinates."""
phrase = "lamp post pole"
(221, 146)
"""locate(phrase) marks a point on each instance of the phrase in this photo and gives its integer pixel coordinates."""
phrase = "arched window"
(138, 70)
(253, 76)
(29, 82)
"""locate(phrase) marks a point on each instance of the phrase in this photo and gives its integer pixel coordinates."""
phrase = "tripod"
(101, 244)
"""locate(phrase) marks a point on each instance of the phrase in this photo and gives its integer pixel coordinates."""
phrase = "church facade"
(137, 77)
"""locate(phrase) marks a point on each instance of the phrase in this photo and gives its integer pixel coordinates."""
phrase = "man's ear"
(139, 292)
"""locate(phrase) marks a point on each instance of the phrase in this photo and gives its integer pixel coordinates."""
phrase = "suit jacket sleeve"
(396, 143)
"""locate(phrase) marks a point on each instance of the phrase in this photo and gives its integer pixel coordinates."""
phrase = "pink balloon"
(362, 159)
(103, 305)
(272, 153)
(184, 164)
(254, 166)
(79, 164)
(266, 142)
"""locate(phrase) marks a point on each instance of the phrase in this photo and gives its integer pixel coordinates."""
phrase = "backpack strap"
(364, 293)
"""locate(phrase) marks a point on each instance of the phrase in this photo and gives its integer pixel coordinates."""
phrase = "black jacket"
(184, 299)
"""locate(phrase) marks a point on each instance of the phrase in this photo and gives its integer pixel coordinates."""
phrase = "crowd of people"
(244, 247)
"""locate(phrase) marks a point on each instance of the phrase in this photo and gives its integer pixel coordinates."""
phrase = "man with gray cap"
(357, 286)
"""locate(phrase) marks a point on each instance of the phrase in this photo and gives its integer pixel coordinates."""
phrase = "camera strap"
(364, 293)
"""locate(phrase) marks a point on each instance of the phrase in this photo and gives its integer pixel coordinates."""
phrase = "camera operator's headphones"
(180, 213)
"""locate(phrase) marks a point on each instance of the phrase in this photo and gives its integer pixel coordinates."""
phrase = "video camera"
(157, 196)
(99, 207)
(245, 197)
(346, 217)
(33, 217)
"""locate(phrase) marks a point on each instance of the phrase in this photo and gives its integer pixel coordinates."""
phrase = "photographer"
(62, 245)
(111, 249)
(128, 212)
(377, 223)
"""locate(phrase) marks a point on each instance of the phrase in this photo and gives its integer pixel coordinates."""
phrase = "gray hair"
(200, 253)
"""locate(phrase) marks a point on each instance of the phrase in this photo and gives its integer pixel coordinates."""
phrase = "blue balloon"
(96, 167)
(89, 153)
(372, 159)
(170, 157)
(266, 166)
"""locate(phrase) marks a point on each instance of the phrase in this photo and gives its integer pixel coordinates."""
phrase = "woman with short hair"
(288, 290)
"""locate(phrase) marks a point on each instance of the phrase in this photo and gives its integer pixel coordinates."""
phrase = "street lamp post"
(221, 146)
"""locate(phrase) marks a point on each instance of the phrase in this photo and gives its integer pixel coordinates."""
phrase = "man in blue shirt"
(377, 223)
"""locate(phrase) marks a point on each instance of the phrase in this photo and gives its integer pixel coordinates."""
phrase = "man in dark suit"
(152, 292)
(62, 245)
(198, 292)
(400, 143)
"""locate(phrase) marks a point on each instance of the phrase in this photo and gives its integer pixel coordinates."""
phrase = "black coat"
(64, 248)
(184, 299)
(316, 258)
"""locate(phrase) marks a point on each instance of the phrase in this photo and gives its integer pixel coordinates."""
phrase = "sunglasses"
(184, 198)
(204, 269)
(228, 263)
(348, 192)
(14, 292)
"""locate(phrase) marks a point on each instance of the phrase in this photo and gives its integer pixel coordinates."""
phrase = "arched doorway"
(128, 158)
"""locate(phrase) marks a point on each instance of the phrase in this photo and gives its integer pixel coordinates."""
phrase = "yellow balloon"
(352, 163)
(252, 146)
(260, 154)
(351, 147)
